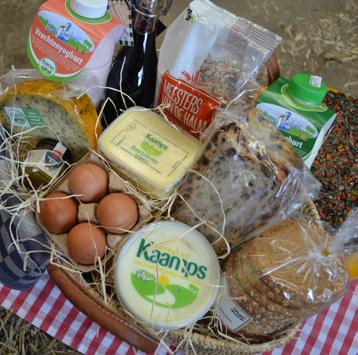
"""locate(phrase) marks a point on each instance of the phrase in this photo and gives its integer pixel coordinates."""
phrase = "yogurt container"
(167, 275)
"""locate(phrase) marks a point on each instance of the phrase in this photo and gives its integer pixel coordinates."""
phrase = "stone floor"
(319, 36)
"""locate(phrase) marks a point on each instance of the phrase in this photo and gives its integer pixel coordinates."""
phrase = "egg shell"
(90, 181)
(58, 214)
(117, 213)
(86, 242)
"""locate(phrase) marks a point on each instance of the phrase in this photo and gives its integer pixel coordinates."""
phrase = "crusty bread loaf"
(255, 184)
(265, 322)
(283, 276)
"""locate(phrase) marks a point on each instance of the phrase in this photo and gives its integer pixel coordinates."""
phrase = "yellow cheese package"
(36, 109)
(149, 151)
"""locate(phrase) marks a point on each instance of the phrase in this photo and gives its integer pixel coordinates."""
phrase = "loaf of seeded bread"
(255, 176)
(284, 276)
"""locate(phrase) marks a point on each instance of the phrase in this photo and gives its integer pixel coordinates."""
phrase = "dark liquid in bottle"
(138, 66)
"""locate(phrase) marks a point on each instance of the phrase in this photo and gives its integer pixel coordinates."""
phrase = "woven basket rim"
(212, 343)
(238, 345)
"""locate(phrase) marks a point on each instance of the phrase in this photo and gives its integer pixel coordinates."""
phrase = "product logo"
(47, 66)
(53, 160)
(26, 118)
(66, 32)
(190, 16)
(161, 292)
(17, 116)
(173, 262)
(298, 129)
(131, 127)
(186, 104)
(158, 289)
(153, 146)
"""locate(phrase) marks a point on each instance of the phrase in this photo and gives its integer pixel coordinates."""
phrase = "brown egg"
(90, 181)
(58, 214)
(116, 212)
(86, 242)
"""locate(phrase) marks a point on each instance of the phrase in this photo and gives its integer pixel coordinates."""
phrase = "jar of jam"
(45, 162)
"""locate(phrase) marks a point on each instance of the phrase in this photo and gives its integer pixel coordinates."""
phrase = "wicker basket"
(112, 317)
(115, 319)
(205, 344)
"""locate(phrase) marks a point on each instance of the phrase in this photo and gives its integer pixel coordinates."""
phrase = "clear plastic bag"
(346, 241)
(247, 179)
(280, 278)
(36, 108)
(207, 56)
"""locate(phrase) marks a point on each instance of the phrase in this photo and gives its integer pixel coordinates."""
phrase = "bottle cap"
(307, 89)
(89, 8)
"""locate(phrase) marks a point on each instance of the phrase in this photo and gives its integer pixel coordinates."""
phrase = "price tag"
(230, 312)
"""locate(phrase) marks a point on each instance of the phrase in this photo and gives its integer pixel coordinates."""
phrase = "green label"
(26, 118)
(150, 148)
(153, 145)
(301, 125)
(173, 285)
(175, 295)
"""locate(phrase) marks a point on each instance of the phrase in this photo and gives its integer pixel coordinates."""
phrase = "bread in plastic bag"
(346, 241)
(206, 57)
(247, 178)
(39, 108)
(279, 279)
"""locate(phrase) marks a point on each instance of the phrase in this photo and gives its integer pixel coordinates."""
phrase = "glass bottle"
(134, 71)
(45, 162)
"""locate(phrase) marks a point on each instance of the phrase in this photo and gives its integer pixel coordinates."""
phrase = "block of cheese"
(149, 151)
(39, 108)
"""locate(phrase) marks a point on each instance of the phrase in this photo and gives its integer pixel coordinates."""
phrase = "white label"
(229, 311)
(59, 150)
(232, 315)
(17, 116)
(315, 81)
(46, 161)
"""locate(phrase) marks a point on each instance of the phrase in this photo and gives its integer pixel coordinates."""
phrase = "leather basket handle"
(117, 324)
(273, 69)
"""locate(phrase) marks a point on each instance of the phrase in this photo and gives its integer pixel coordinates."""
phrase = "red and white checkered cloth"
(333, 331)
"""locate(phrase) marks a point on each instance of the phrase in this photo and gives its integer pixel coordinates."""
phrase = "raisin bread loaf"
(256, 184)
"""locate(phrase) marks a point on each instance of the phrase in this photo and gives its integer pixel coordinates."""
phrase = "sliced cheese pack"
(39, 109)
(149, 151)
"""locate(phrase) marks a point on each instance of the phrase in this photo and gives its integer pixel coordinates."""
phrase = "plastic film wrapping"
(282, 277)
(38, 108)
(256, 180)
(207, 56)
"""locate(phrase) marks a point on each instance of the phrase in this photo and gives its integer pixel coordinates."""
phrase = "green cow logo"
(149, 149)
(153, 145)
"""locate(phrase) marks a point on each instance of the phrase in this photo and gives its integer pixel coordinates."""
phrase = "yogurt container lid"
(90, 8)
(167, 275)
